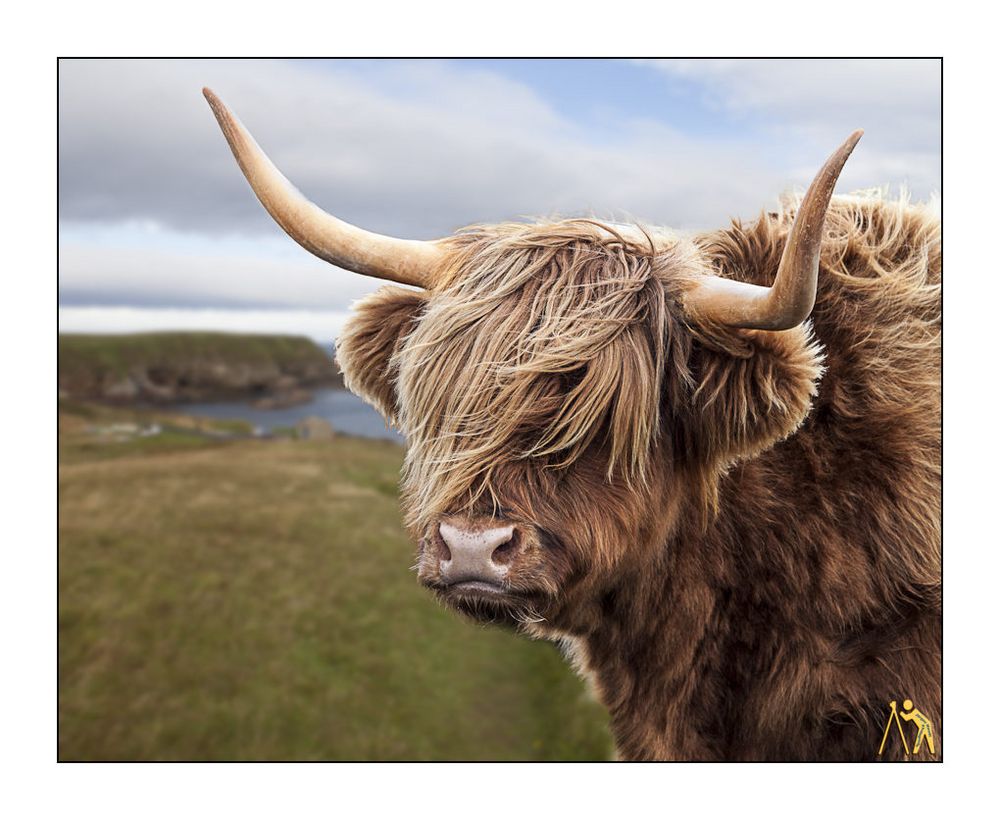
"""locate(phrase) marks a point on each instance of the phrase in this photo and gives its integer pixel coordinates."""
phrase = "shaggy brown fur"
(739, 550)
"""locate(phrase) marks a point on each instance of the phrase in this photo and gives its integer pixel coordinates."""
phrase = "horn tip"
(222, 114)
(213, 99)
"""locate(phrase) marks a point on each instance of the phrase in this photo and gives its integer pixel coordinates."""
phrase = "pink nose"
(475, 554)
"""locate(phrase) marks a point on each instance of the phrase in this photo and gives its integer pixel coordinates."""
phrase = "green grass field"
(252, 600)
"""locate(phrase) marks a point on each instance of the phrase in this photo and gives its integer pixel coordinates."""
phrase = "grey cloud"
(152, 276)
(422, 149)
(137, 142)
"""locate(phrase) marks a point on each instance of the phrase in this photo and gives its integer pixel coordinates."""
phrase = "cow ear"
(368, 340)
(750, 395)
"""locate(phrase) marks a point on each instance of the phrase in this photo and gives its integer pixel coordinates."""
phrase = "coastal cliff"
(164, 368)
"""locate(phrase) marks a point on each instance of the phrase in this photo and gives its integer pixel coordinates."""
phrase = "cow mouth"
(472, 587)
(473, 590)
(490, 603)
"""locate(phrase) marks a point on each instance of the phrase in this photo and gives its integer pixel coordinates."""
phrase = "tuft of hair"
(542, 341)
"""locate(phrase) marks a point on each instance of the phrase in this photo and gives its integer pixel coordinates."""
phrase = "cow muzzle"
(494, 570)
(477, 556)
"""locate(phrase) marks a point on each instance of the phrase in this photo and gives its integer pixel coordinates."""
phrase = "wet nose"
(476, 554)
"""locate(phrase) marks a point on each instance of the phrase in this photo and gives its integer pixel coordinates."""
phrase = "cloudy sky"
(158, 229)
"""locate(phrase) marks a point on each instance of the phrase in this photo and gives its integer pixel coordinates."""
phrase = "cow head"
(569, 390)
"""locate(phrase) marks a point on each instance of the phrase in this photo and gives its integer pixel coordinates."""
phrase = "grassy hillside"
(199, 364)
(252, 600)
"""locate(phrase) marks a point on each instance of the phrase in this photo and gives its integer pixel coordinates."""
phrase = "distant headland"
(165, 368)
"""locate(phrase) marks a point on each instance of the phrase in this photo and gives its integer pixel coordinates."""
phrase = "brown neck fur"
(813, 598)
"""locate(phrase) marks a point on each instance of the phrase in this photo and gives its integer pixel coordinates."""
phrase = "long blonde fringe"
(540, 338)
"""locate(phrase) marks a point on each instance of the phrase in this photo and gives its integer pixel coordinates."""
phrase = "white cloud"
(320, 325)
(418, 149)
(257, 276)
(808, 104)
(138, 142)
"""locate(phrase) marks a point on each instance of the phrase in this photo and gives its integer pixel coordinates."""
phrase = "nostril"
(444, 554)
(504, 554)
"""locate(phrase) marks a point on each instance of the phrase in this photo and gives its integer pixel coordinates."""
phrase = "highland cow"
(708, 466)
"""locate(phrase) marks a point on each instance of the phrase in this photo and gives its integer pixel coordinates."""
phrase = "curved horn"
(789, 301)
(407, 261)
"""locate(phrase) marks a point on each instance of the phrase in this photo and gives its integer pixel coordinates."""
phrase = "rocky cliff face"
(202, 381)
(204, 367)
